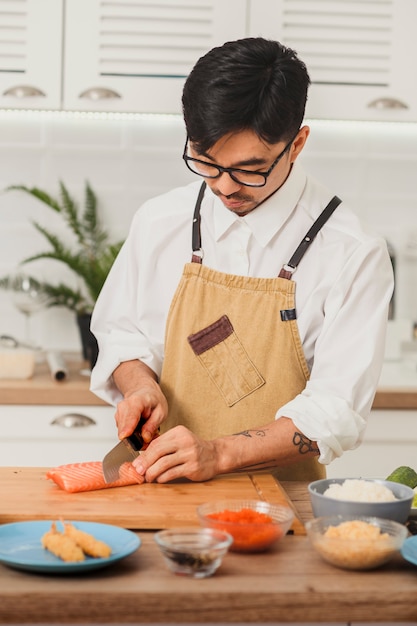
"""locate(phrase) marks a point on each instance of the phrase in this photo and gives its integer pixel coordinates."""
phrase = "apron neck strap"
(289, 268)
(197, 256)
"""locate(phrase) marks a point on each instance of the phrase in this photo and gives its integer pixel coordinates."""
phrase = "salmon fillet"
(76, 477)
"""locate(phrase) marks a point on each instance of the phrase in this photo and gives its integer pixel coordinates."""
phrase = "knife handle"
(136, 439)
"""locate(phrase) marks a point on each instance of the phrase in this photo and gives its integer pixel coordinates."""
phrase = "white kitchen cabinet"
(359, 54)
(134, 56)
(107, 56)
(390, 441)
(30, 54)
(45, 436)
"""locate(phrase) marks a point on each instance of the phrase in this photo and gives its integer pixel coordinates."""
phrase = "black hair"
(249, 84)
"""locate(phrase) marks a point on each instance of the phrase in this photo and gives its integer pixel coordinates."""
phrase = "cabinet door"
(31, 54)
(134, 56)
(359, 55)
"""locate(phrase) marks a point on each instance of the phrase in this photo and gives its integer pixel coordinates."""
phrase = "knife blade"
(127, 450)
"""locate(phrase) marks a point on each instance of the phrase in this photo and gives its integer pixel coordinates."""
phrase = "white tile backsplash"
(127, 160)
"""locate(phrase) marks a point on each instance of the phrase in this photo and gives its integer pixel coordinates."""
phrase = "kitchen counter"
(290, 583)
(43, 389)
(397, 385)
(397, 389)
(395, 398)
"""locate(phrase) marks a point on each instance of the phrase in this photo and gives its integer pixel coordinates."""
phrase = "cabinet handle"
(99, 93)
(23, 91)
(73, 420)
(387, 103)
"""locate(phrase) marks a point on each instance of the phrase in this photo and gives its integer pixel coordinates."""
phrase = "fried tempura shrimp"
(62, 545)
(88, 544)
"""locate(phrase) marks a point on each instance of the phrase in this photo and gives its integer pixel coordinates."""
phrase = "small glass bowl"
(353, 550)
(254, 524)
(195, 552)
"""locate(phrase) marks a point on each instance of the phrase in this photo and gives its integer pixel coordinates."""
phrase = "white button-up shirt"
(343, 287)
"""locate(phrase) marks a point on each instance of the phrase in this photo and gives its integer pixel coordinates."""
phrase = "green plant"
(90, 259)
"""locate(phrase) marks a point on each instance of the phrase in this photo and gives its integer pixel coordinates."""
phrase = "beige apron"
(233, 354)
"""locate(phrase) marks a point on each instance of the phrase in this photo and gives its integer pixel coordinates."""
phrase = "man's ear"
(299, 142)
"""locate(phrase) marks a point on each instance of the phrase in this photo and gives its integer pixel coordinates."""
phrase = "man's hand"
(143, 397)
(146, 402)
(178, 453)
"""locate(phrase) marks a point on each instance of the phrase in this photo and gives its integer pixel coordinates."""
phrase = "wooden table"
(288, 584)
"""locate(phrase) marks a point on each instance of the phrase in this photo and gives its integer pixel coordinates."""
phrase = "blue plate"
(21, 547)
(409, 550)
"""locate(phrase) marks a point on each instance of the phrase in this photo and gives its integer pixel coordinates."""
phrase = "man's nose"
(226, 185)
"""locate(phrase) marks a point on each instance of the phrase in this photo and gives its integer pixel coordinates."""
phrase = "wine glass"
(28, 298)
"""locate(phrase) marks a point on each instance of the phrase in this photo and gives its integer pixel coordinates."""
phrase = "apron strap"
(198, 254)
(289, 268)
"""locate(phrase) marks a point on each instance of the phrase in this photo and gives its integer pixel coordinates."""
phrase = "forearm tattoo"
(304, 444)
(252, 433)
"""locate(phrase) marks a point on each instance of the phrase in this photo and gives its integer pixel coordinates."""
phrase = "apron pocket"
(226, 361)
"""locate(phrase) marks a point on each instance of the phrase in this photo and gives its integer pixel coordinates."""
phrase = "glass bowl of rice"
(354, 542)
(364, 497)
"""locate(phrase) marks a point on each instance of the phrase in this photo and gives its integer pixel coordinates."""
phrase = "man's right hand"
(143, 397)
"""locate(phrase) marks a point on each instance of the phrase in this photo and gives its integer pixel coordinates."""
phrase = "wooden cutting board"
(27, 495)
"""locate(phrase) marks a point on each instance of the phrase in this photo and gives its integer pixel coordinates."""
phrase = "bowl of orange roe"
(255, 525)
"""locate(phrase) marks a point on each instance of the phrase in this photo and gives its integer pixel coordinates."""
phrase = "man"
(262, 346)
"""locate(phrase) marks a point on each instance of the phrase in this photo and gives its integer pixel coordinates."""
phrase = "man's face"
(245, 150)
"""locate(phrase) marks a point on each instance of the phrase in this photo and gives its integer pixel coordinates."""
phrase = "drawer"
(55, 435)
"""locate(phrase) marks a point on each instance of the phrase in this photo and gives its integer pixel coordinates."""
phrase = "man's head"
(250, 84)
(243, 107)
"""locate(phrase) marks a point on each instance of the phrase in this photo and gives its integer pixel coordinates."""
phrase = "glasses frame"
(232, 170)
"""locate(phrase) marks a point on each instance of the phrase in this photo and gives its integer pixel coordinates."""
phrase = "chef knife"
(125, 451)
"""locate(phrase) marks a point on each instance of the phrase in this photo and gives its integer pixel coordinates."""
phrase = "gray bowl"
(397, 510)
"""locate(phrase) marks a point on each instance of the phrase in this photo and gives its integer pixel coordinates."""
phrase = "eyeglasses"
(248, 178)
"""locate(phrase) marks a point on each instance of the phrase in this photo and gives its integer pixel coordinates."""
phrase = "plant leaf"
(90, 260)
(69, 210)
(39, 194)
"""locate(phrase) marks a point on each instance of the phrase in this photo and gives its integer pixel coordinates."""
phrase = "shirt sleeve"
(348, 354)
(129, 317)
(120, 321)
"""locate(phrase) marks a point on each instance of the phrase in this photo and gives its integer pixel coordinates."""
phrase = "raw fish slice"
(76, 477)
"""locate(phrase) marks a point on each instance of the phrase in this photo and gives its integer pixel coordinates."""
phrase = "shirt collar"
(267, 219)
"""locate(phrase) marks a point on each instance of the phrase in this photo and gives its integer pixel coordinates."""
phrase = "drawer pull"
(99, 93)
(73, 420)
(23, 91)
(387, 103)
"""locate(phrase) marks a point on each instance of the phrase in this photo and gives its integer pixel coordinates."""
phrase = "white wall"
(127, 160)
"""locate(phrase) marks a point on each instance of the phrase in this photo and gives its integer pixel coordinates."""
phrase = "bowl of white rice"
(362, 497)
